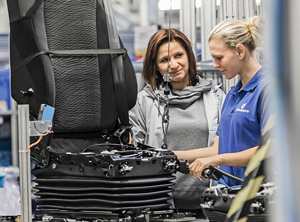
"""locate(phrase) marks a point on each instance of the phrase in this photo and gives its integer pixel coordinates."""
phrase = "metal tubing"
(188, 22)
(14, 134)
(25, 170)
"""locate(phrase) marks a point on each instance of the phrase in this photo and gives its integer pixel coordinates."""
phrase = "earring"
(240, 58)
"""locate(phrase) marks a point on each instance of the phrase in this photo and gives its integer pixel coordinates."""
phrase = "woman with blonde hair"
(244, 114)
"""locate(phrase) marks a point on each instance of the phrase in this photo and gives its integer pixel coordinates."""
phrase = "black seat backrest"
(81, 88)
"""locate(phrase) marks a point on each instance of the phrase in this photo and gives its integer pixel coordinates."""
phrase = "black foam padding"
(84, 193)
(71, 25)
(73, 181)
(104, 194)
(80, 88)
(100, 203)
(104, 188)
(102, 207)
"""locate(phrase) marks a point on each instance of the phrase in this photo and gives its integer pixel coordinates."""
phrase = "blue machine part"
(5, 86)
(2, 178)
(48, 113)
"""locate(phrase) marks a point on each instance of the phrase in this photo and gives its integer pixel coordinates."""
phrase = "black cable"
(215, 173)
(105, 144)
(167, 79)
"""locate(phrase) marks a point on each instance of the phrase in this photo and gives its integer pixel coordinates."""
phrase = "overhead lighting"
(198, 3)
(258, 2)
(165, 5)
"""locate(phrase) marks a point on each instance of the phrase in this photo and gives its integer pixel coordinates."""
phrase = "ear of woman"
(241, 50)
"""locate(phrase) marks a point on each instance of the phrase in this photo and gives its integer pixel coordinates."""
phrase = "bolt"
(54, 165)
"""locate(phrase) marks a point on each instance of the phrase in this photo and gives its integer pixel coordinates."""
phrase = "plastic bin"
(2, 177)
(10, 193)
(5, 153)
(5, 129)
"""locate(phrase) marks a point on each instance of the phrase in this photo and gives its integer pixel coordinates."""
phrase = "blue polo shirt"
(244, 115)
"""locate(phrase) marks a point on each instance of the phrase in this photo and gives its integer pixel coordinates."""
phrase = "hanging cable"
(39, 140)
(169, 37)
(33, 144)
(167, 79)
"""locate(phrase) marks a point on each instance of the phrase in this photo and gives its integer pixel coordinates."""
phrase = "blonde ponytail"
(234, 32)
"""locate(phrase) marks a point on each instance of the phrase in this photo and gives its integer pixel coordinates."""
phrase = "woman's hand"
(200, 164)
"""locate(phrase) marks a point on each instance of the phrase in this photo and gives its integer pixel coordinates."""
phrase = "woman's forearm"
(237, 159)
(192, 155)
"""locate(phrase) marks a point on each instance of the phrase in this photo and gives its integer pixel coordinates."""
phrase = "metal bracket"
(38, 128)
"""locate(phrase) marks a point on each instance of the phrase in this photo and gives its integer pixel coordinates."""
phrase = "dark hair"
(150, 73)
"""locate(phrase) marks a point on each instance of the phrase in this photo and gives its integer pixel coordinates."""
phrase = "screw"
(54, 165)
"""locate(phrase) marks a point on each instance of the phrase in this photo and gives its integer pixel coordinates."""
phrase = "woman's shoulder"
(215, 93)
(215, 88)
(147, 93)
(147, 90)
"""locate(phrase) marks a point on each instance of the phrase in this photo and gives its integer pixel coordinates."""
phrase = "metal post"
(14, 134)
(208, 22)
(153, 11)
(188, 22)
(144, 16)
(25, 170)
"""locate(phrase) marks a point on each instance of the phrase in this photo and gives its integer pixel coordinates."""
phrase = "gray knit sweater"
(194, 117)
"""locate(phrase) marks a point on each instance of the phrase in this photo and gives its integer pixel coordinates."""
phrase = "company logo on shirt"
(242, 109)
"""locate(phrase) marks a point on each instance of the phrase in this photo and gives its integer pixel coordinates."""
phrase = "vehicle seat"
(79, 85)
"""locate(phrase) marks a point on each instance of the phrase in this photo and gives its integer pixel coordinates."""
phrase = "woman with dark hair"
(186, 116)
(151, 74)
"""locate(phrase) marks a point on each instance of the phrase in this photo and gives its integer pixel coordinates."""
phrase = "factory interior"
(79, 80)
